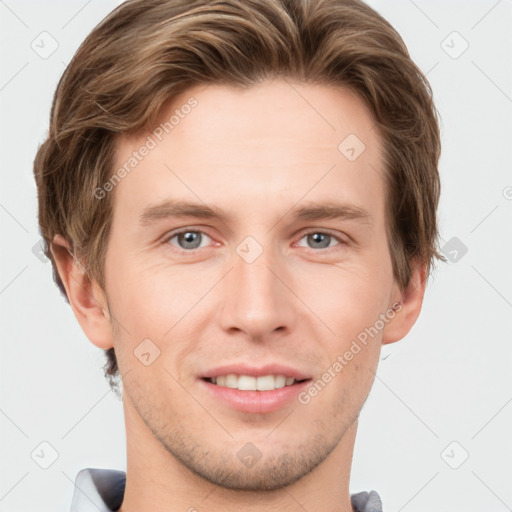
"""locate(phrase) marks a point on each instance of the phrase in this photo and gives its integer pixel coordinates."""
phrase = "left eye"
(189, 239)
(320, 240)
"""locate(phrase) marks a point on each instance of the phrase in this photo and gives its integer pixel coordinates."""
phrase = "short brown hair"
(147, 51)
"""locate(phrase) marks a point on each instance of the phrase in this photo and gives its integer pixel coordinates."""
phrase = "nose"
(257, 297)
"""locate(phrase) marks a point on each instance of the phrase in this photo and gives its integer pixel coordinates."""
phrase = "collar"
(102, 490)
(98, 490)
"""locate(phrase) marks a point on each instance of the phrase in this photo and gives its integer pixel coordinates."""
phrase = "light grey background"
(441, 394)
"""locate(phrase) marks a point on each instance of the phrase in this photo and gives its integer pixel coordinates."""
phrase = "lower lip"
(256, 401)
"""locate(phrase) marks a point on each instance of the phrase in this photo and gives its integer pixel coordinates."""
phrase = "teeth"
(250, 383)
(230, 381)
(245, 382)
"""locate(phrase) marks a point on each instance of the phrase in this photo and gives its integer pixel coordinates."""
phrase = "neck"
(156, 481)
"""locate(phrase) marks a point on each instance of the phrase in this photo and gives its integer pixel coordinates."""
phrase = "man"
(239, 200)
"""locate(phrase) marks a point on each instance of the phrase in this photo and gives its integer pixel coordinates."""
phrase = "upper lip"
(267, 369)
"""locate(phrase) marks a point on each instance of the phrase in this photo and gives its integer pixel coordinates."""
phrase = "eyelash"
(311, 232)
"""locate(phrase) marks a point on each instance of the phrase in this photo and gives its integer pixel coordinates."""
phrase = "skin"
(258, 154)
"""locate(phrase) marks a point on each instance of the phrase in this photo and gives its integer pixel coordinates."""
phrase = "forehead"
(274, 142)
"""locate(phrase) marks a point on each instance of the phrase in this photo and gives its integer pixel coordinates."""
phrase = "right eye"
(188, 239)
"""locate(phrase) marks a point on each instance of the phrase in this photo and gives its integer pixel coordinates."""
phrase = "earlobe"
(410, 301)
(84, 295)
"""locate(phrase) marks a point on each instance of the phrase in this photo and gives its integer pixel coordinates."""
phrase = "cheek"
(346, 296)
(150, 299)
(157, 303)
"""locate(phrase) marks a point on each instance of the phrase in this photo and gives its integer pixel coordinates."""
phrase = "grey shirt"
(102, 490)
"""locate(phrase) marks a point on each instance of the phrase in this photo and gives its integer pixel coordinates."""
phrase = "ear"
(84, 295)
(409, 302)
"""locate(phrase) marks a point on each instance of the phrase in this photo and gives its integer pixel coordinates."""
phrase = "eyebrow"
(171, 208)
(311, 211)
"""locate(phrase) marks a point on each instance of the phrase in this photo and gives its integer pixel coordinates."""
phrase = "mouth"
(253, 383)
(254, 395)
(254, 390)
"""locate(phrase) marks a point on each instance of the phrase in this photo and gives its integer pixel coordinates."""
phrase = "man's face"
(259, 286)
